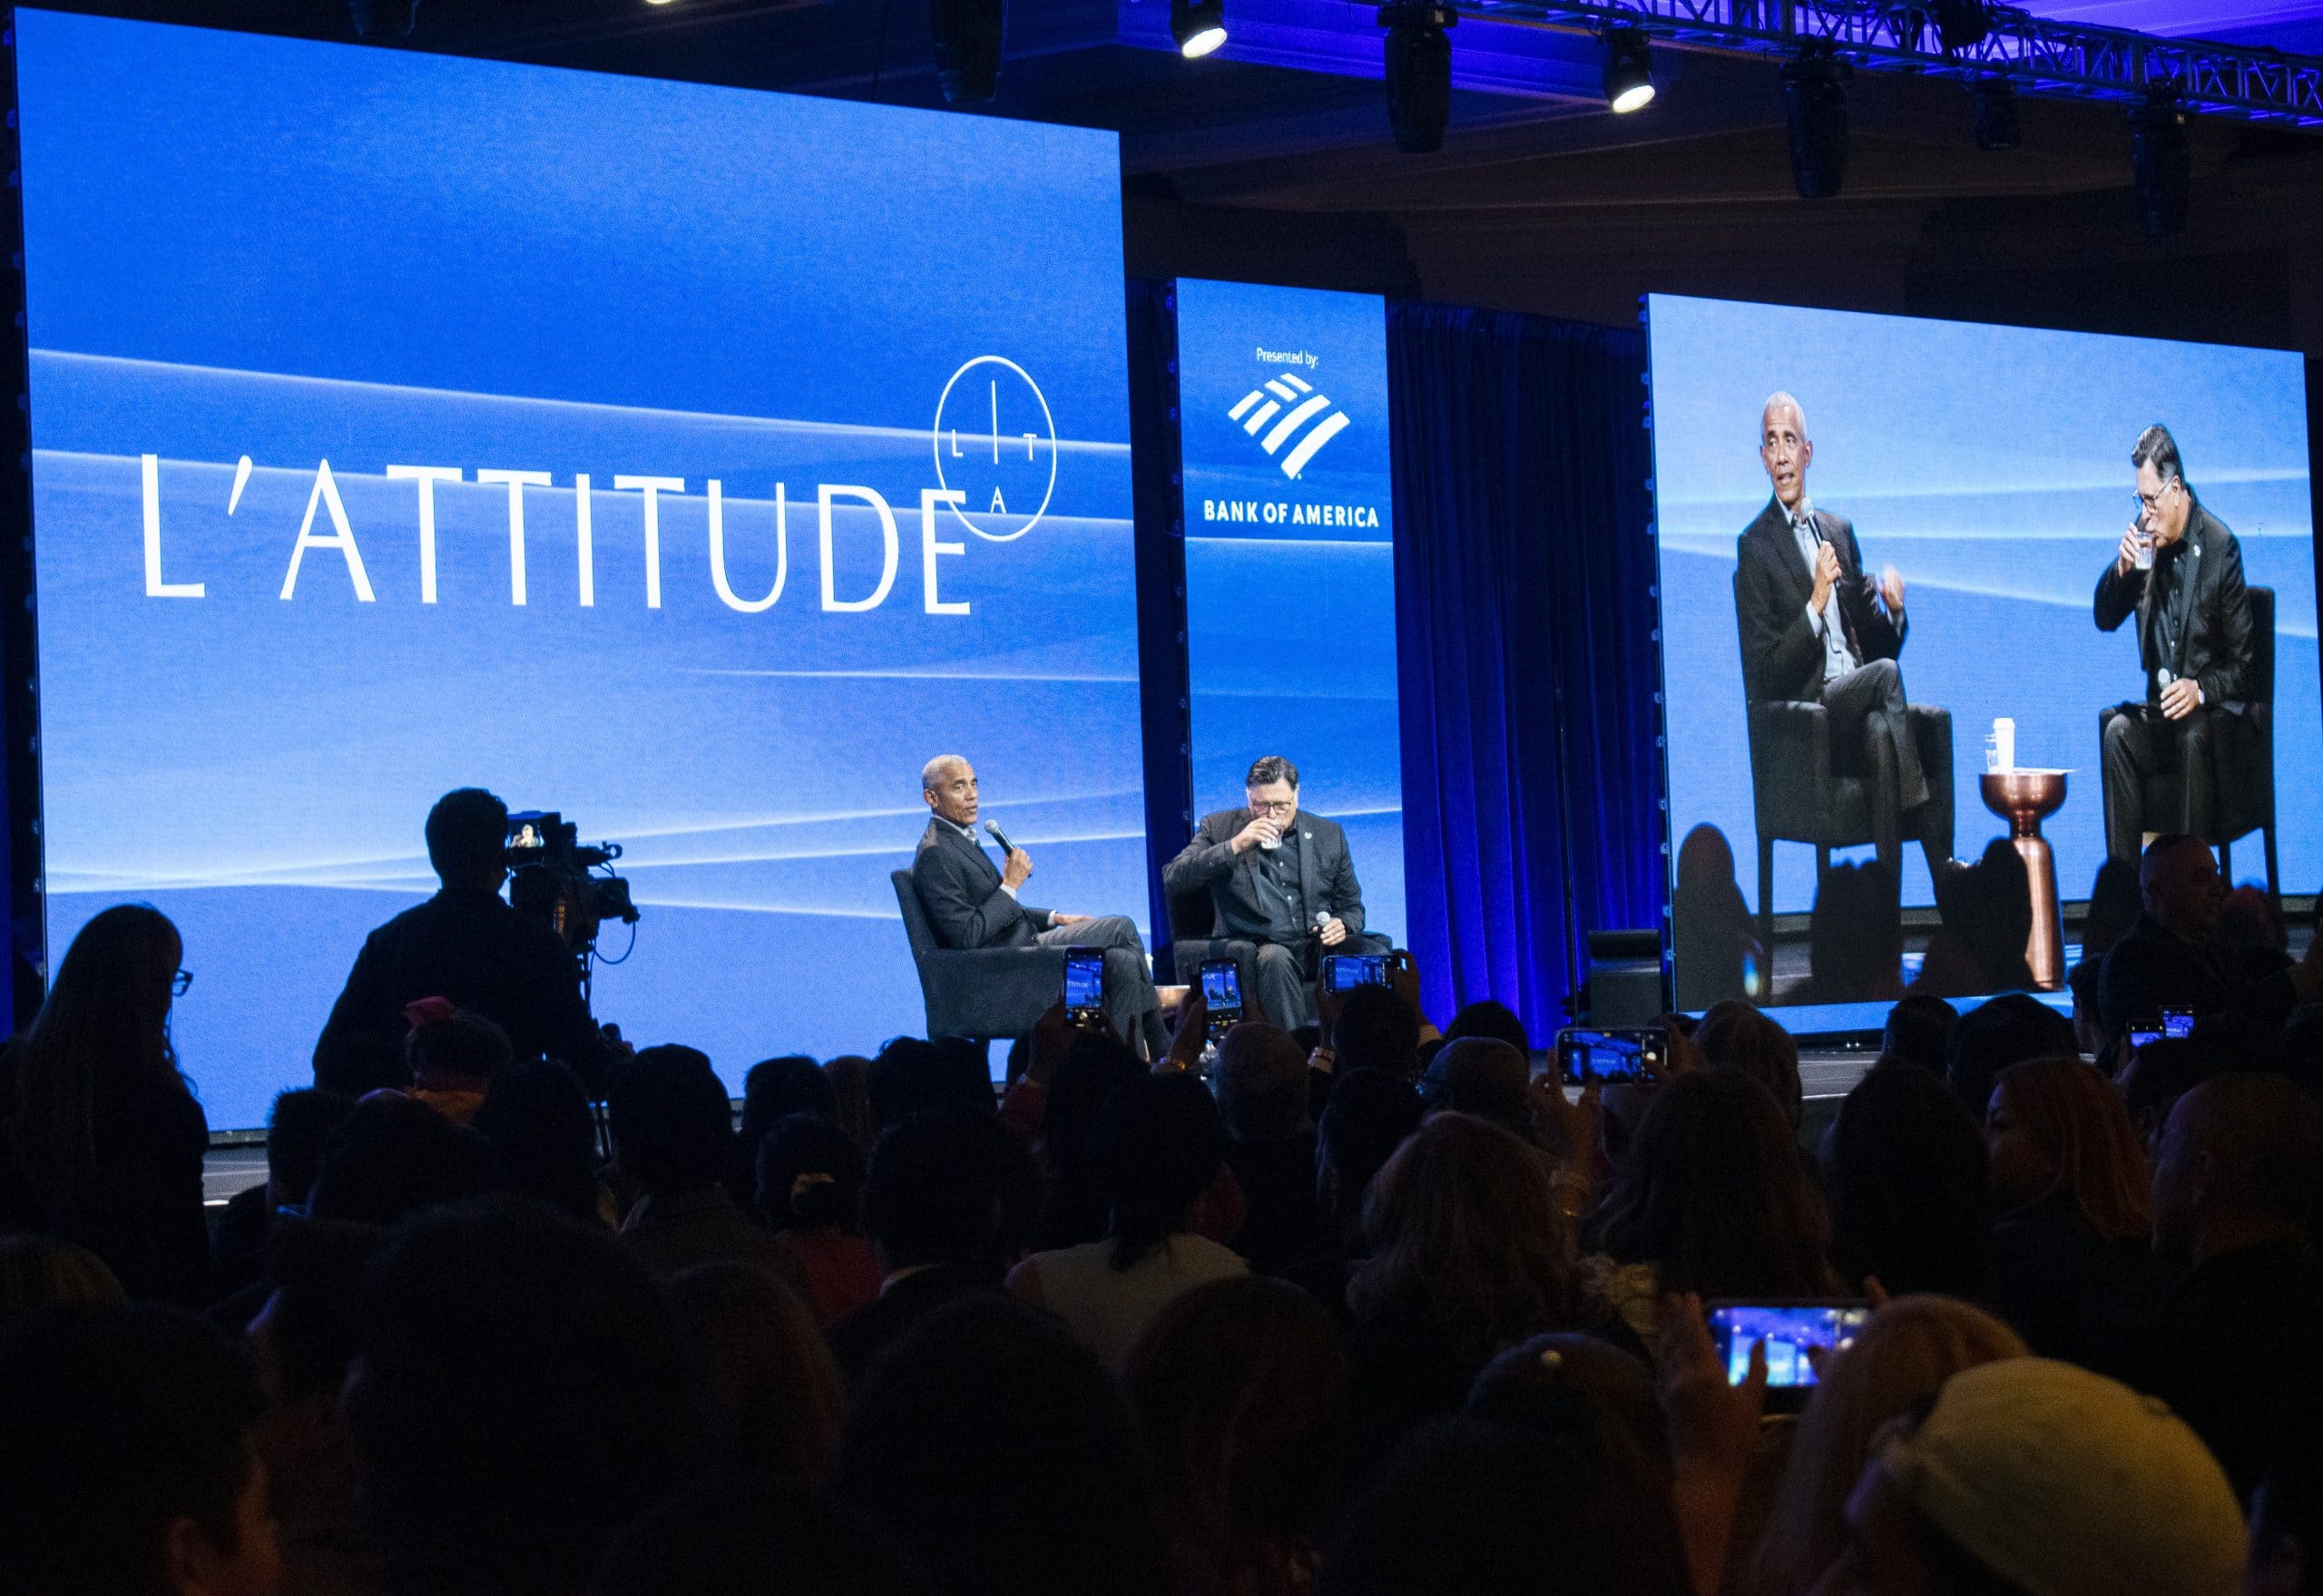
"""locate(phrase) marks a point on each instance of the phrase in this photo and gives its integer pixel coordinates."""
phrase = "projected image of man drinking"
(2180, 571)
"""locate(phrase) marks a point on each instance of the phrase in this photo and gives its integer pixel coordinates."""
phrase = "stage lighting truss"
(2053, 59)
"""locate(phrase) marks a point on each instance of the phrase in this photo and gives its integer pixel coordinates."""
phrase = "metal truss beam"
(2060, 60)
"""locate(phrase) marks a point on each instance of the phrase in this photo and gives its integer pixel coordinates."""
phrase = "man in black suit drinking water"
(2180, 571)
(1816, 629)
(1280, 879)
(971, 902)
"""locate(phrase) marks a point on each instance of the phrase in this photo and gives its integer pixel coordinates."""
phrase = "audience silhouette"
(1375, 1310)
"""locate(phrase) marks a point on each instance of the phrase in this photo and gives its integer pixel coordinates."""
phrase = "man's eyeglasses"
(1283, 807)
(2149, 501)
(179, 981)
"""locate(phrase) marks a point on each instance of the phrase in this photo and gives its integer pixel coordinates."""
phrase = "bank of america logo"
(1290, 405)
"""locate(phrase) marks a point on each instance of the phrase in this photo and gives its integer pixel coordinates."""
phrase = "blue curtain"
(1525, 617)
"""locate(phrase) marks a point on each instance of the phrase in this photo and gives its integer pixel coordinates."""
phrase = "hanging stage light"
(1629, 70)
(1815, 103)
(1961, 24)
(1419, 74)
(1198, 25)
(967, 48)
(1995, 114)
(2161, 161)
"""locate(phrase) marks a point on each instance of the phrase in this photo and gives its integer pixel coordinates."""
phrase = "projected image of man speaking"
(1814, 628)
(2180, 571)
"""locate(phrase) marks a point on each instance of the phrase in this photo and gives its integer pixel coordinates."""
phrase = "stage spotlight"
(967, 48)
(2161, 161)
(1815, 103)
(1629, 70)
(1198, 25)
(376, 18)
(1995, 114)
(1419, 74)
(1961, 24)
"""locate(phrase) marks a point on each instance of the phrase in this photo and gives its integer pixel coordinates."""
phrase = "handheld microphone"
(1000, 836)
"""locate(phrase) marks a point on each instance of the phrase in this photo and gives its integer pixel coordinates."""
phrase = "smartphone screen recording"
(1608, 1057)
(1221, 996)
(1085, 983)
(1791, 1330)
(1347, 972)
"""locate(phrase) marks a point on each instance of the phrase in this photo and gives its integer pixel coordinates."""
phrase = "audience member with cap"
(2033, 1476)
(1901, 1359)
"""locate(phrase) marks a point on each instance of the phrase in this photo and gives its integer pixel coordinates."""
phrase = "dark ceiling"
(1538, 202)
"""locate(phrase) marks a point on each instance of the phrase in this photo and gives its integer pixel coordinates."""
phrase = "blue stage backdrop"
(1291, 578)
(1991, 465)
(692, 461)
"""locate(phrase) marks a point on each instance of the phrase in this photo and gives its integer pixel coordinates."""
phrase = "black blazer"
(1782, 656)
(959, 886)
(2214, 633)
(1325, 873)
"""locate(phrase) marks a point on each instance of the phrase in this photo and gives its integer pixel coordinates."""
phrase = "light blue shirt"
(1838, 658)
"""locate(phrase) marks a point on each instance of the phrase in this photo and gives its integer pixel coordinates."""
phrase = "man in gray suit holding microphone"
(1280, 879)
(971, 902)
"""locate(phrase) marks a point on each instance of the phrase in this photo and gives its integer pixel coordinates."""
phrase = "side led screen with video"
(1290, 573)
(692, 462)
(2030, 654)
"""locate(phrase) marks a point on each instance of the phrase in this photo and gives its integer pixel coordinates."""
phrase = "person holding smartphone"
(2179, 570)
(1280, 879)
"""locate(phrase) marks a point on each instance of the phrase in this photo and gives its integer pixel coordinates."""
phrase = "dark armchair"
(1195, 941)
(1805, 790)
(981, 993)
(2241, 767)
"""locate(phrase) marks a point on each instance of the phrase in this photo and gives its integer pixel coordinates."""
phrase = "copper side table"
(2024, 799)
